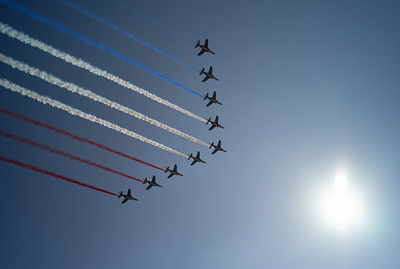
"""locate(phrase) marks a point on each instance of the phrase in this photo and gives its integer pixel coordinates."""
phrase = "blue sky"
(307, 89)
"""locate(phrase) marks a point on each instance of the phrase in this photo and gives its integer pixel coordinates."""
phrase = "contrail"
(66, 30)
(74, 88)
(119, 29)
(59, 152)
(84, 140)
(43, 171)
(153, 21)
(46, 100)
(8, 30)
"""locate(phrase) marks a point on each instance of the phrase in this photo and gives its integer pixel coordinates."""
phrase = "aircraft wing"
(219, 143)
(148, 187)
(154, 179)
(216, 119)
(129, 192)
(209, 103)
(205, 79)
(198, 155)
(206, 43)
(210, 70)
(214, 95)
(212, 127)
(170, 175)
(175, 168)
(215, 150)
(124, 201)
(195, 161)
(201, 52)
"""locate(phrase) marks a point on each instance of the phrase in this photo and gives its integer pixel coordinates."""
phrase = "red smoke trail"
(84, 140)
(52, 150)
(36, 169)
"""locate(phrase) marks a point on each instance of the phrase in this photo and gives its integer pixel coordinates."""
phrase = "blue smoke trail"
(122, 31)
(87, 40)
(153, 21)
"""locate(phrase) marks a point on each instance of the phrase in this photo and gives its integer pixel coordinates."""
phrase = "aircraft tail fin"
(212, 145)
(190, 156)
(120, 194)
(202, 71)
(166, 169)
(144, 181)
(198, 44)
(208, 121)
(205, 97)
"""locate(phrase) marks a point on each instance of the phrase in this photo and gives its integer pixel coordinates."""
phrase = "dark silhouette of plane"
(196, 159)
(208, 74)
(213, 99)
(151, 183)
(217, 147)
(214, 123)
(173, 172)
(127, 196)
(204, 48)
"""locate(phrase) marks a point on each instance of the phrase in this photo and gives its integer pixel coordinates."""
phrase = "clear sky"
(309, 89)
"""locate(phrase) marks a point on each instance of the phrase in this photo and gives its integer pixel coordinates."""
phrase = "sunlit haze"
(340, 206)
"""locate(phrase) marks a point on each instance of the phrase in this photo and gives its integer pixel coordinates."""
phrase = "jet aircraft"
(208, 74)
(151, 183)
(196, 159)
(127, 196)
(173, 172)
(217, 147)
(204, 48)
(214, 123)
(213, 99)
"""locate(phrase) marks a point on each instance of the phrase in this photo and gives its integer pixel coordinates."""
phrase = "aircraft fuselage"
(206, 49)
(211, 76)
(214, 100)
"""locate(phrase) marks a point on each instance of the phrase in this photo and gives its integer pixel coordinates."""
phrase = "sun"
(339, 206)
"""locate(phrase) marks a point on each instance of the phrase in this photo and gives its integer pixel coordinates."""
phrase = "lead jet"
(217, 147)
(151, 183)
(196, 159)
(173, 172)
(204, 48)
(127, 196)
(214, 123)
(213, 99)
(208, 74)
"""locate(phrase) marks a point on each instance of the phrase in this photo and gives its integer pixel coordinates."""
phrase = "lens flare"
(340, 206)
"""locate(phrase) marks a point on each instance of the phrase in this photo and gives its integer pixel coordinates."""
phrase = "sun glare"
(339, 205)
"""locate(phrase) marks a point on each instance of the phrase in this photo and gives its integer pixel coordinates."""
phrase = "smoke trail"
(36, 169)
(46, 100)
(59, 152)
(73, 88)
(119, 29)
(153, 21)
(5, 29)
(66, 30)
(84, 140)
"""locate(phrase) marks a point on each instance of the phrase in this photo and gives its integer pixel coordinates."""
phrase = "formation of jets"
(217, 147)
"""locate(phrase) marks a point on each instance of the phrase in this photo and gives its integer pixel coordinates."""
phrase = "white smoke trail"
(46, 100)
(76, 89)
(5, 29)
